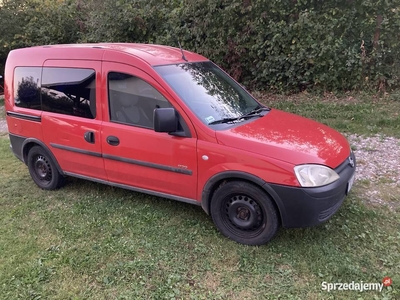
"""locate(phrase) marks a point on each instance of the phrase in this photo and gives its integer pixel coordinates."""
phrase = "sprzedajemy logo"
(356, 286)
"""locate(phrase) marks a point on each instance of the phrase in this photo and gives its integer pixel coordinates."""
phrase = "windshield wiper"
(256, 110)
(227, 120)
(253, 113)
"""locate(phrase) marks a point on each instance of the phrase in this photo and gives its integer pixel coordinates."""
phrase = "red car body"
(190, 166)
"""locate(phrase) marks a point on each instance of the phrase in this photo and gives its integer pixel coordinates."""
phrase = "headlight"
(315, 175)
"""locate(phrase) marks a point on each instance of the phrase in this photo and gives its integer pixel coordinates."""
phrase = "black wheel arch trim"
(209, 187)
(41, 144)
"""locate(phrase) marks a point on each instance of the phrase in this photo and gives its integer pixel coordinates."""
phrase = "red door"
(134, 154)
(71, 118)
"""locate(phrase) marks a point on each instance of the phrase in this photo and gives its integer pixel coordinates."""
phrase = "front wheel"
(43, 169)
(244, 213)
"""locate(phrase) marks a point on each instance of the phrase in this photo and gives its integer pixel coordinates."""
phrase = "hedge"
(287, 45)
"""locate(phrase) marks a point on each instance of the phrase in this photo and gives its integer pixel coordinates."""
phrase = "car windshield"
(210, 93)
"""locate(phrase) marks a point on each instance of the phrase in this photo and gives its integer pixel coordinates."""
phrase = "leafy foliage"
(25, 23)
(286, 45)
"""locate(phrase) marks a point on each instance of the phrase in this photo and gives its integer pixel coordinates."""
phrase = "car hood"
(288, 137)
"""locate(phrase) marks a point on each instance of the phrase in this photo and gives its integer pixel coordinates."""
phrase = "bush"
(25, 23)
(287, 45)
(293, 45)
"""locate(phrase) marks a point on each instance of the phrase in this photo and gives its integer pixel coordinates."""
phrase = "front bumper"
(305, 207)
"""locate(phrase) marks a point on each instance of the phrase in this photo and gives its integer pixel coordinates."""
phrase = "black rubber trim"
(16, 143)
(77, 150)
(125, 160)
(148, 164)
(136, 189)
(24, 116)
(183, 62)
(208, 187)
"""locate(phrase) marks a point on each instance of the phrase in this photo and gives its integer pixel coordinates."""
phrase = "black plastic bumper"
(305, 207)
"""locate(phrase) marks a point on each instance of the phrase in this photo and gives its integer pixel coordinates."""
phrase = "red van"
(170, 123)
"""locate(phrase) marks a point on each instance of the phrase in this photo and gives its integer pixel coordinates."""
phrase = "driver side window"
(132, 100)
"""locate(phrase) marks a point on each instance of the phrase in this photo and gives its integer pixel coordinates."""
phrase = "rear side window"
(27, 87)
(69, 91)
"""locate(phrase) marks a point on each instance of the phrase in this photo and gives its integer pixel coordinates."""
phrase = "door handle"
(89, 137)
(113, 140)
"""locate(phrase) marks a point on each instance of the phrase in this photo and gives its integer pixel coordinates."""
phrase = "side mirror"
(165, 120)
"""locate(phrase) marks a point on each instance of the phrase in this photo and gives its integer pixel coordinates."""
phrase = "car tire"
(244, 213)
(43, 170)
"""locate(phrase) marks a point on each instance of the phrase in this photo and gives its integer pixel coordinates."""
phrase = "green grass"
(356, 113)
(91, 241)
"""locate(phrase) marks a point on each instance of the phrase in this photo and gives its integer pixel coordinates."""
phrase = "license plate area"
(350, 183)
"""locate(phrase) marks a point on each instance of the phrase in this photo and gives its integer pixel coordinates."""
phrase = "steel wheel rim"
(42, 169)
(243, 216)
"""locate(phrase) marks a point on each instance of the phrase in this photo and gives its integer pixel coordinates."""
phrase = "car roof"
(151, 53)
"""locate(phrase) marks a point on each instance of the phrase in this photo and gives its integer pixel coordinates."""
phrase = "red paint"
(289, 138)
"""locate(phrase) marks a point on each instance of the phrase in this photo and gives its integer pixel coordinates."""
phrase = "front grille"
(346, 163)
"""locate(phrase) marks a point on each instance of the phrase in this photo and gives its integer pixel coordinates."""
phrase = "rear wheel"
(244, 213)
(43, 169)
